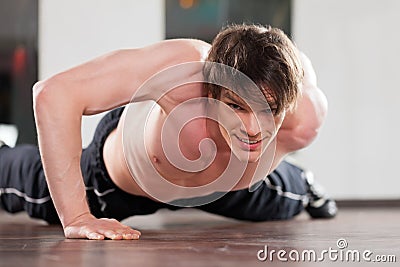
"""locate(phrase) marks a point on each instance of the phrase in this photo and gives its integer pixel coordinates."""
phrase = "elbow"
(45, 94)
(43, 97)
(54, 100)
(38, 88)
(298, 139)
(39, 92)
(305, 137)
(41, 108)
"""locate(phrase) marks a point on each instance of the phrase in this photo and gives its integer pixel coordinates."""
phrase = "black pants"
(23, 187)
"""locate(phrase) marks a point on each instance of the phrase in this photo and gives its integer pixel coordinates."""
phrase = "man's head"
(268, 57)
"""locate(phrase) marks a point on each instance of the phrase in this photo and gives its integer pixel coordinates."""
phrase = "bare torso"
(145, 155)
(148, 161)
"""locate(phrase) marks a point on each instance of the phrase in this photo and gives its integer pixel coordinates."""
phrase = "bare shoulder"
(310, 78)
(176, 80)
(163, 58)
(174, 50)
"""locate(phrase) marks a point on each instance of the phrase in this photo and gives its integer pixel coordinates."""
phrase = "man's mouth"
(247, 141)
(247, 144)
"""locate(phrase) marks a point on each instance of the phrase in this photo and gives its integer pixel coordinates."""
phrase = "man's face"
(251, 128)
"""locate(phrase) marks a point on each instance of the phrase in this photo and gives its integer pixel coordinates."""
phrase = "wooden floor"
(193, 238)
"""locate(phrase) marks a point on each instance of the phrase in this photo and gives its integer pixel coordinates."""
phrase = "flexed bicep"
(301, 125)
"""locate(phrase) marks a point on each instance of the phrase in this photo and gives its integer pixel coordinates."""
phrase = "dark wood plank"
(193, 238)
(369, 203)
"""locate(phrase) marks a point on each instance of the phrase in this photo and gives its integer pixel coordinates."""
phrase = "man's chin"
(254, 159)
(247, 156)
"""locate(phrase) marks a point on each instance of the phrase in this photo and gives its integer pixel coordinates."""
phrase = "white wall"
(74, 31)
(354, 46)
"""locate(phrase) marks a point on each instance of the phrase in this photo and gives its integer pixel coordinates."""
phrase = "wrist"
(86, 215)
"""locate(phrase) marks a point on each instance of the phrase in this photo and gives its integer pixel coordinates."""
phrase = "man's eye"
(234, 106)
(270, 111)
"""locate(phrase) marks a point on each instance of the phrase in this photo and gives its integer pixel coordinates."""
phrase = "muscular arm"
(96, 86)
(301, 125)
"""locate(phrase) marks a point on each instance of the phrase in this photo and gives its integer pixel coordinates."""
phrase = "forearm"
(58, 112)
(58, 121)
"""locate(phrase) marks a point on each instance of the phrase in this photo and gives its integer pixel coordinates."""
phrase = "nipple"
(155, 159)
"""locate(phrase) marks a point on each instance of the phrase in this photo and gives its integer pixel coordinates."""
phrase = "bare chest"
(171, 148)
(179, 148)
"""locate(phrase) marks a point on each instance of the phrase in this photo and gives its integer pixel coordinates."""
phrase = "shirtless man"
(108, 179)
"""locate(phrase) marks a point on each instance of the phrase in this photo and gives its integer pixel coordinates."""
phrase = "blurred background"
(354, 46)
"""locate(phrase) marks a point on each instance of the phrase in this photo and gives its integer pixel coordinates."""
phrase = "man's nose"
(252, 127)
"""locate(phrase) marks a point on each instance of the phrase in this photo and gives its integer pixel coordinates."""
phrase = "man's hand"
(87, 226)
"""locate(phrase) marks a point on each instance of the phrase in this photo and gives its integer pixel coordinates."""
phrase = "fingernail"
(135, 236)
(94, 236)
(131, 236)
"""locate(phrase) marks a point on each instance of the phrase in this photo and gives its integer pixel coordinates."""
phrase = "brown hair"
(266, 55)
